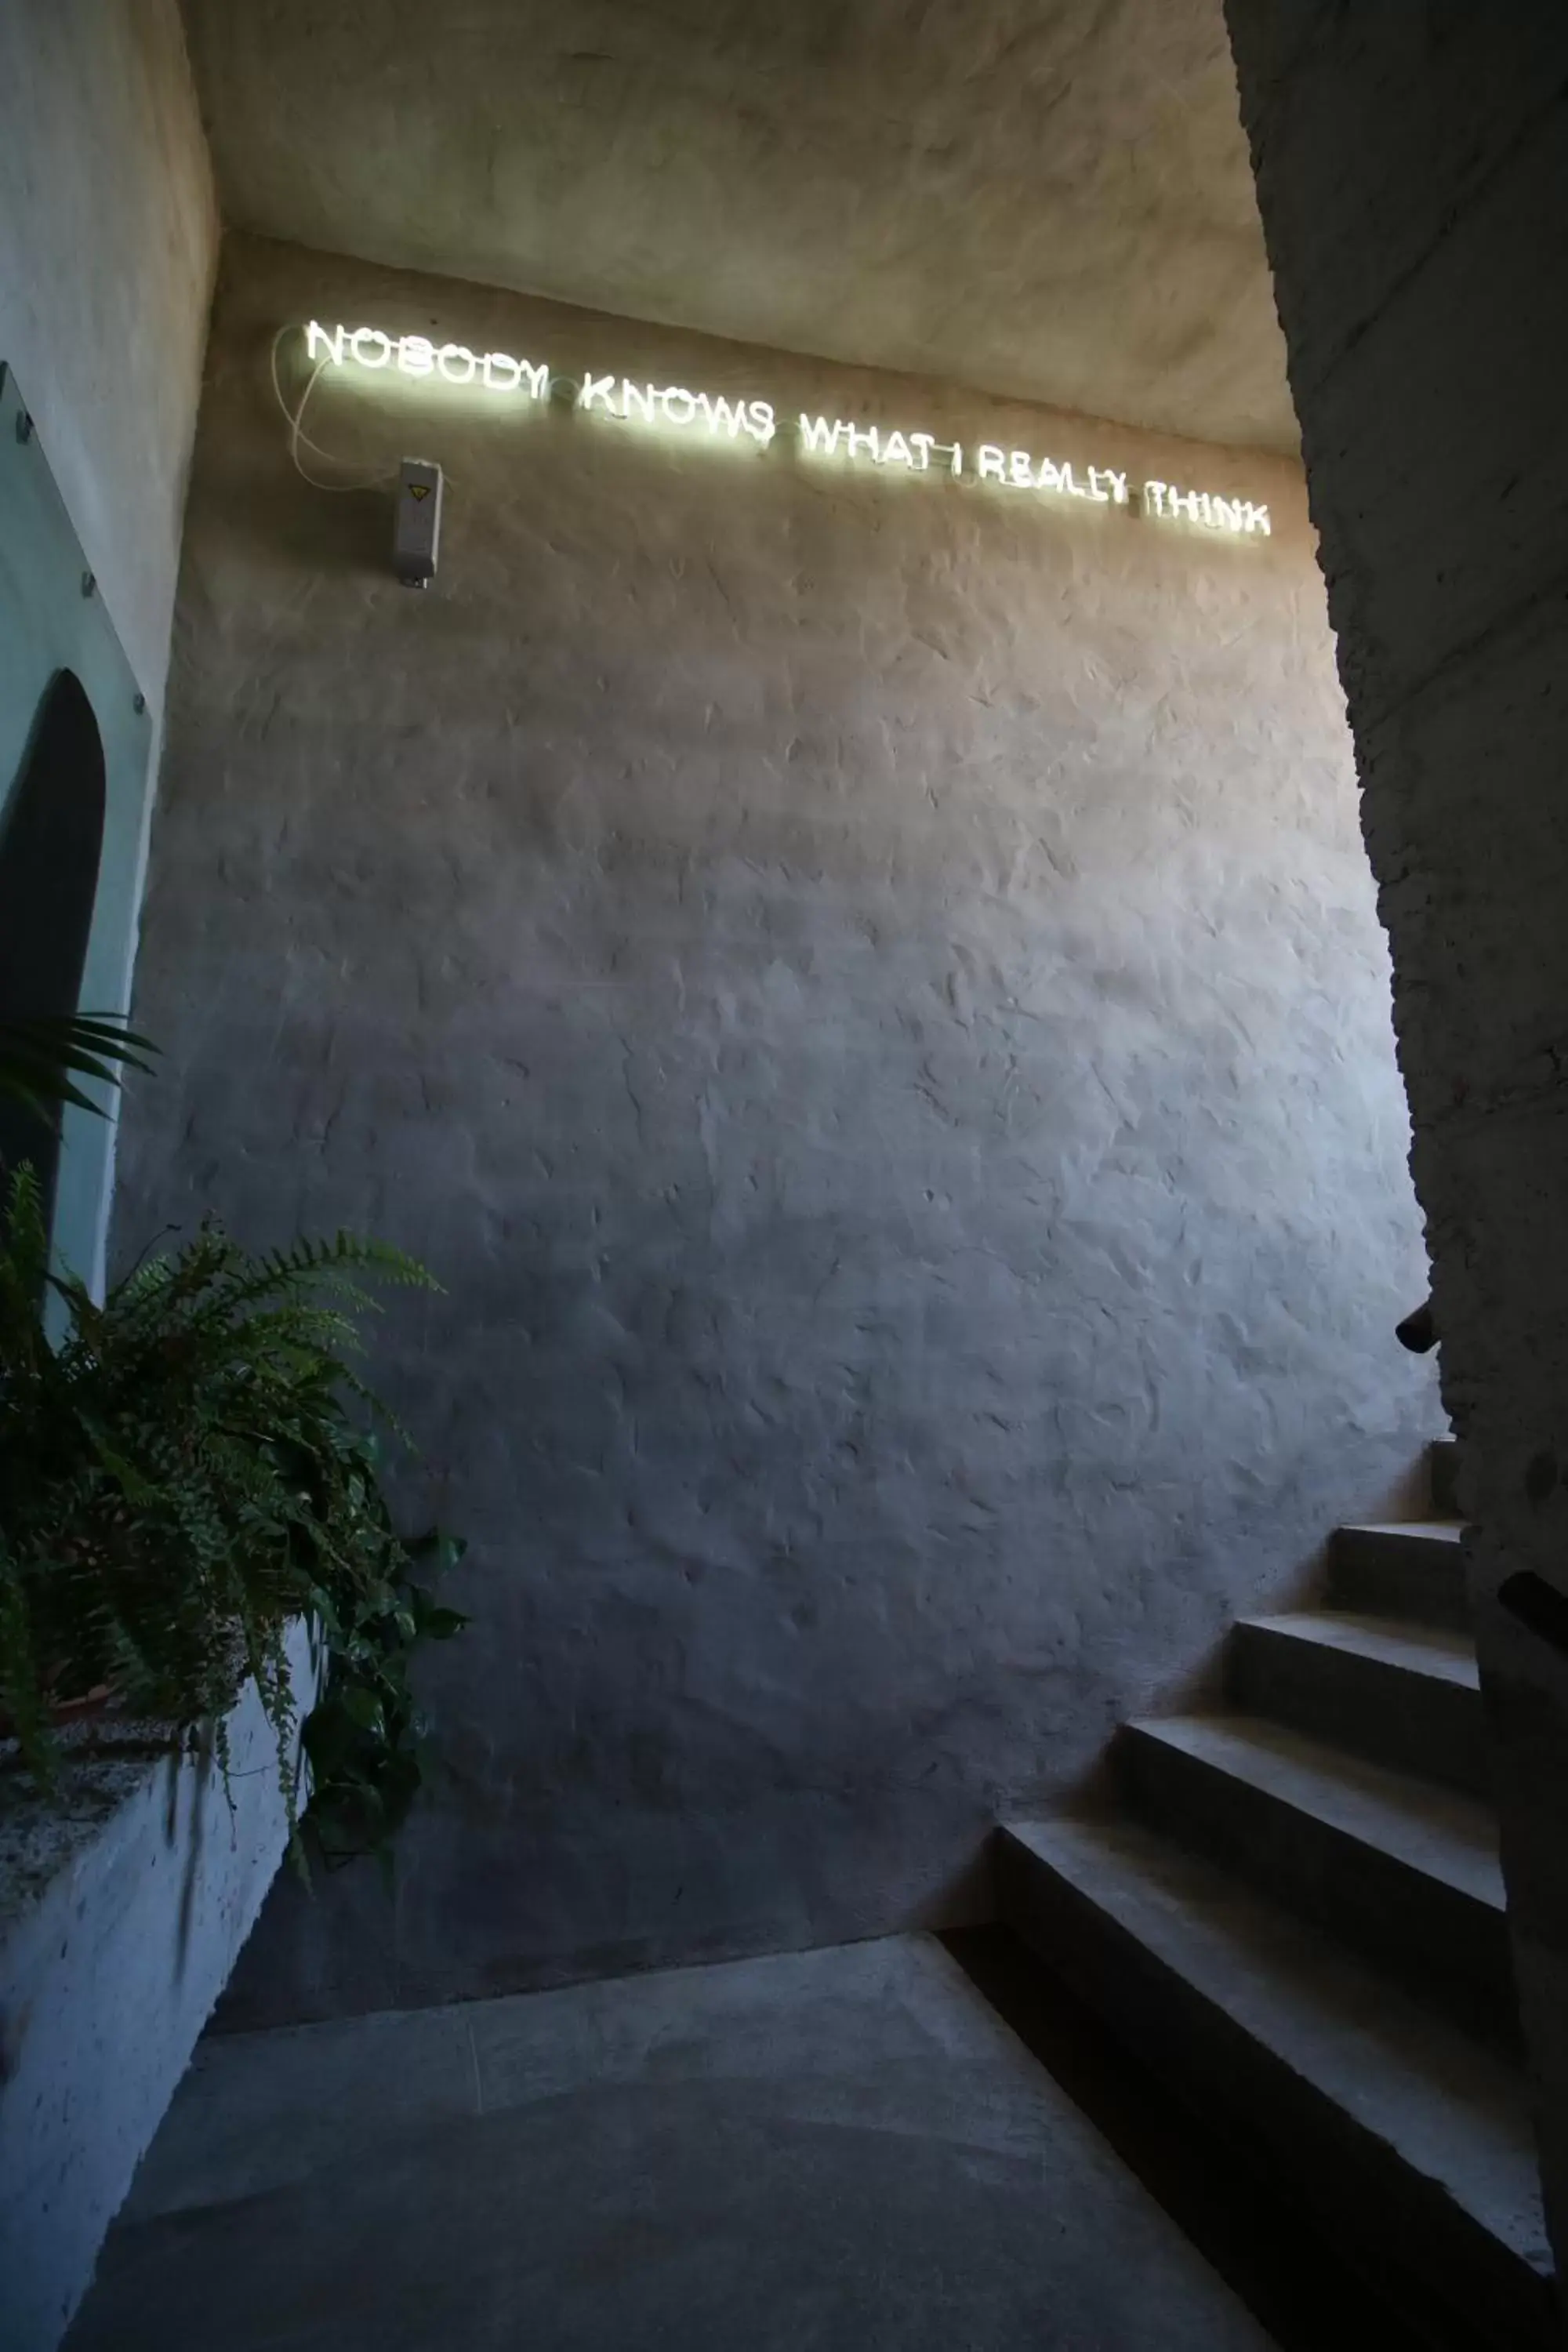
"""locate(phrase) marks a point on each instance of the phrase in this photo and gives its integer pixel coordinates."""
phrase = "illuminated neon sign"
(671, 403)
(719, 417)
(914, 450)
(418, 355)
(1020, 469)
(1239, 516)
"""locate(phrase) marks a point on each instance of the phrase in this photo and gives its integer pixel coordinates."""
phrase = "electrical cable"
(299, 439)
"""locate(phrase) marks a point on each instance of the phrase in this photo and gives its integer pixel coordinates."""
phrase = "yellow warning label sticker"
(418, 490)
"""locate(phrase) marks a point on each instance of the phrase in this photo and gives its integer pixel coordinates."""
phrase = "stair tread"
(1418, 1530)
(1427, 1827)
(1451, 2111)
(1416, 1649)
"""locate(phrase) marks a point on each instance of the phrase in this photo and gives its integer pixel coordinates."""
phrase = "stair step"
(1412, 2141)
(1443, 1477)
(1406, 1871)
(1407, 1695)
(1414, 1570)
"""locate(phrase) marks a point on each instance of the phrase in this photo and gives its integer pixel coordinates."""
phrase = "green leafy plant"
(42, 1058)
(367, 1741)
(192, 1466)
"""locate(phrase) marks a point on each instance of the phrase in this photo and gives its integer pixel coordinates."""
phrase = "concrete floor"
(839, 2148)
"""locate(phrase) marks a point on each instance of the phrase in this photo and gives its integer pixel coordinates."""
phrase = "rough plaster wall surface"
(1420, 247)
(867, 994)
(107, 245)
(1047, 198)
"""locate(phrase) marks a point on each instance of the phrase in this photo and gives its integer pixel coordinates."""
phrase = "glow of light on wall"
(671, 403)
(914, 450)
(718, 417)
(416, 355)
(1018, 470)
(1239, 516)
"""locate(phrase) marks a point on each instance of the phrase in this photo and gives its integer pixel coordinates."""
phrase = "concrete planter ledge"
(123, 1906)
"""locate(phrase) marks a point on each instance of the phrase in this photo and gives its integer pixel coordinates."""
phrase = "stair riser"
(1441, 1943)
(1394, 2219)
(1443, 1478)
(1416, 1723)
(1386, 1575)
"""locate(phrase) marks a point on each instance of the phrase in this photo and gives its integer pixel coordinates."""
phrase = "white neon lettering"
(723, 417)
(648, 404)
(416, 355)
(652, 404)
(1239, 517)
(498, 372)
(925, 443)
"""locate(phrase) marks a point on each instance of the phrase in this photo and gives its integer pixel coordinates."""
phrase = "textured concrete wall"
(867, 992)
(108, 243)
(1412, 177)
(1048, 198)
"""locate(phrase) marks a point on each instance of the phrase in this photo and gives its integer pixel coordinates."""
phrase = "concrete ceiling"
(1050, 198)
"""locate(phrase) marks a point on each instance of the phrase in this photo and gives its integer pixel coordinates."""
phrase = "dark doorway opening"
(51, 839)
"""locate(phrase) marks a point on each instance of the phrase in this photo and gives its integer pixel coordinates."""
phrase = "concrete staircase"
(1295, 1918)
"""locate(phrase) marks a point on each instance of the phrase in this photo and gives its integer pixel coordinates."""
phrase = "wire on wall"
(300, 439)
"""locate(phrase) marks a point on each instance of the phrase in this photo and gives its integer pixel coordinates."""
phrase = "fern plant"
(39, 1054)
(182, 1476)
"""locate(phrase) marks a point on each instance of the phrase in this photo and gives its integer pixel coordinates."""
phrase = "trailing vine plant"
(192, 1467)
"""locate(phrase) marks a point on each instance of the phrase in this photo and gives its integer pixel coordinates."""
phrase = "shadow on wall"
(52, 840)
(1208, 1687)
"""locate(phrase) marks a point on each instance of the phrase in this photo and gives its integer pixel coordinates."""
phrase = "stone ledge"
(122, 1908)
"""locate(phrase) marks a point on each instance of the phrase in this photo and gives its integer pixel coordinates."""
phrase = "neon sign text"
(418, 355)
(671, 403)
(1239, 516)
(1021, 471)
(718, 417)
(912, 449)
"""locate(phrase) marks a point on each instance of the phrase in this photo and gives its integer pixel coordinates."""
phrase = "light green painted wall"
(50, 621)
(108, 247)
